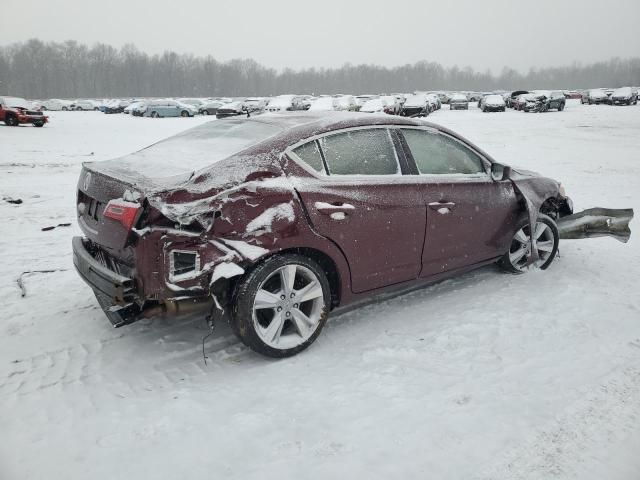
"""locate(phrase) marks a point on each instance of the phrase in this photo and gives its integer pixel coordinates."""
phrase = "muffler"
(176, 307)
(597, 222)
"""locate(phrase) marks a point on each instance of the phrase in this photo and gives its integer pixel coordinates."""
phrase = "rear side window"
(360, 152)
(309, 153)
(437, 154)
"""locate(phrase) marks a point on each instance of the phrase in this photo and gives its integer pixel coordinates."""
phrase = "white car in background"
(84, 105)
(283, 103)
(56, 104)
(346, 103)
(323, 104)
(384, 104)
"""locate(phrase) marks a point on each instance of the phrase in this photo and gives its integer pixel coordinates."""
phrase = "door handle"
(442, 207)
(331, 208)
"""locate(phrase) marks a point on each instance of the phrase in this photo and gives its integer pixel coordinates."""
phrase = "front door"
(470, 217)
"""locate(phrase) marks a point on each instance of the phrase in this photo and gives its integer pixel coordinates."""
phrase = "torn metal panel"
(597, 222)
(534, 191)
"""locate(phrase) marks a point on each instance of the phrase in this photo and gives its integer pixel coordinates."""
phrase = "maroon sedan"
(274, 221)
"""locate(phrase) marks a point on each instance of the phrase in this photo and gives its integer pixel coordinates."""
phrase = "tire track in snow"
(154, 363)
(587, 431)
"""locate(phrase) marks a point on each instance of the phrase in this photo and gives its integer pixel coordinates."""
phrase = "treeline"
(35, 69)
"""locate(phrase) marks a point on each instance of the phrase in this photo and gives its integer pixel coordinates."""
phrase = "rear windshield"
(199, 147)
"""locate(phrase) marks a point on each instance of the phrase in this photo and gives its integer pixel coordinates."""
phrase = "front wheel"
(547, 239)
(184, 113)
(38, 124)
(282, 305)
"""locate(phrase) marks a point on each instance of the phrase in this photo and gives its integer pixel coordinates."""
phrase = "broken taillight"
(122, 211)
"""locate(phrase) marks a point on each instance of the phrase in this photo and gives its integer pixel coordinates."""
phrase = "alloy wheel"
(288, 307)
(521, 247)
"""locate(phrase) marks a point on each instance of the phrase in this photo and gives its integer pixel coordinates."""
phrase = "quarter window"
(309, 153)
(360, 152)
(437, 154)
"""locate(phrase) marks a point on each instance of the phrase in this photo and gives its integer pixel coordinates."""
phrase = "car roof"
(328, 121)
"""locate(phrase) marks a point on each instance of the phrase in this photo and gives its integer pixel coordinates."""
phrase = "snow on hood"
(494, 100)
(416, 101)
(597, 93)
(16, 102)
(323, 103)
(458, 97)
(622, 92)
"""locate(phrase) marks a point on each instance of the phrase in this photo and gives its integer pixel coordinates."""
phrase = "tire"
(514, 261)
(43, 108)
(154, 114)
(96, 109)
(184, 113)
(38, 124)
(291, 333)
(11, 121)
(205, 112)
(64, 109)
(561, 107)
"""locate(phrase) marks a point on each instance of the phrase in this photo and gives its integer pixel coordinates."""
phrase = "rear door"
(470, 217)
(358, 198)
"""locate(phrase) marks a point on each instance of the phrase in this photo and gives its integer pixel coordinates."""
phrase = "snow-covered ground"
(487, 376)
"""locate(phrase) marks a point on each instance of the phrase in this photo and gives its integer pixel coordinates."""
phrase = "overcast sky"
(296, 33)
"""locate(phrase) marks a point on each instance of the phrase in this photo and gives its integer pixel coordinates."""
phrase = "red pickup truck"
(14, 111)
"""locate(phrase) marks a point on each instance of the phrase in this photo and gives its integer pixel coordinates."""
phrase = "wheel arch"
(226, 288)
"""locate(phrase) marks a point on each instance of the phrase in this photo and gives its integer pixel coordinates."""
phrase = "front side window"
(309, 153)
(360, 152)
(437, 154)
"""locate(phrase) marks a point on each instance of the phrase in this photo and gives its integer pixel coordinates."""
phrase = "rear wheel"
(11, 120)
(547, 237)
(282, 305)
(38, 124)
(205, 112)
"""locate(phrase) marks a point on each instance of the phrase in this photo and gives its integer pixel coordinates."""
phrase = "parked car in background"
(255, 104)
(137, 108)
(434, 101)
(458, 101)
(55, 104)
(492, 103)
(597, 96)
(291, 239)
(16, 111)
(385, 104)
(169, 108)
(84, 105)
(544, 100)
(346, 103)
(415, 106)
(115, 106)
(283, 103)
(512, 97)
(210, 108)
(231, 109)
(323, 104)
(624, 96)
(362, 99)
(196, 102)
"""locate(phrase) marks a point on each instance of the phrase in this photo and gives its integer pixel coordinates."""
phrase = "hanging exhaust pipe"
(176, 307)
(597, 222)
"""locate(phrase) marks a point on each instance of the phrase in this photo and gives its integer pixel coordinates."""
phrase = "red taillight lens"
(122, 211)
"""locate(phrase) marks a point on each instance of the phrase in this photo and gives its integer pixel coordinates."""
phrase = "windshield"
(197, 148)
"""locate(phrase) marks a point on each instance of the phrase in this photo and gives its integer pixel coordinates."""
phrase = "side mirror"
(500, 172)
